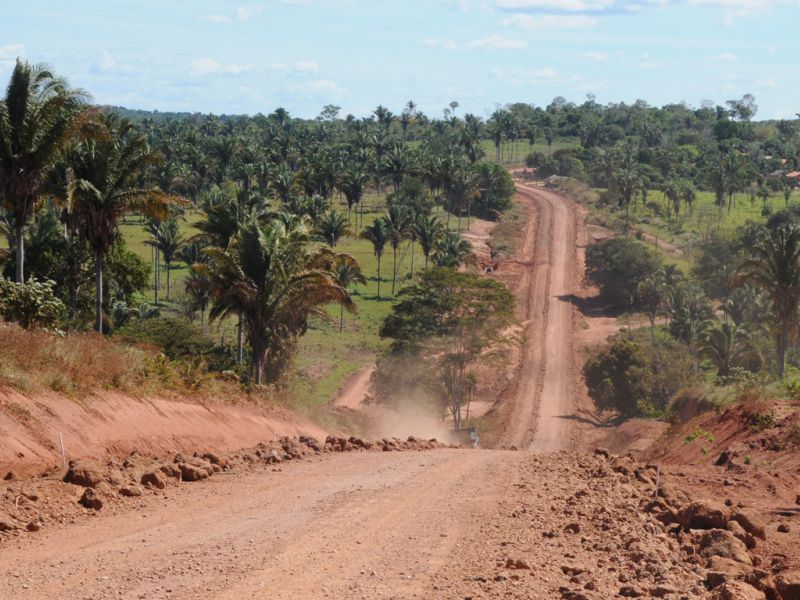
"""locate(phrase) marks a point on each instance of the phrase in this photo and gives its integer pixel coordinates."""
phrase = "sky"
(251, 56)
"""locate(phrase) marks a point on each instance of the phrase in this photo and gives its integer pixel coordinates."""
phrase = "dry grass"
(79, 364)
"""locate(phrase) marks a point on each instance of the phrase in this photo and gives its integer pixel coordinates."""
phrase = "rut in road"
(545, 388)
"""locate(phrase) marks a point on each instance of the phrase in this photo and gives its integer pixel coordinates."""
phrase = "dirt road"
(542, 399)
(396, 525)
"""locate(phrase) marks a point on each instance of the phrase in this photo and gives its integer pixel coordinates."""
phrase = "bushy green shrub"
(638, 380)
(31, 304)
(179, 340)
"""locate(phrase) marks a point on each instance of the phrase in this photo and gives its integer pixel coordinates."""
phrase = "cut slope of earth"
(112, 424)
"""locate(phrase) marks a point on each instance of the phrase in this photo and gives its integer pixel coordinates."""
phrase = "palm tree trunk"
(394, 267)
(783, 339)
(426, 261)
(20, 252)
(341, 317)
(203, 321)
(257, 364)
(98, 292)
(412, 259)
(240, 340)
(167, 266)
(379, 277)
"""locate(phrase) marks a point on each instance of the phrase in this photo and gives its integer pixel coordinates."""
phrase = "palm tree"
(774, 266)
(452, 251)
(168, 241)
(101, 190)
(275, 281)
(399, 221)
(346, 271)
(728, 346)
(628, 181)
(198, 286)
(39, 117)
(352, 185)
(428, 230)
(331, 227)
(378, 234)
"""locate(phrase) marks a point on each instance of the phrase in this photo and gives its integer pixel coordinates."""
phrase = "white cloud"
(307, 66)
(216, 18)
(440, 43)
(106, 63)
(647, 63)
(542, 76)
(9, 54)
(246, 13)
(599, 56)
(242, 13)
(724, 57)
(556, 5)
(209, 66)
(497, 41)
(318, 89)
(539, 22)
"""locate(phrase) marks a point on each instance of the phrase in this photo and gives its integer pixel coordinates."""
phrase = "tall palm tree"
(399, 221)
(331, 227)
(101, 189)
(168, 241)
(39, 117)
(774, 266)
(429, 231)
(378, 234)
(352, 184)
(271, 276)
(346, 271)
(198, 286)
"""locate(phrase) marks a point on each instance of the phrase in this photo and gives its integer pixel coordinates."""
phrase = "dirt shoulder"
(112, 425)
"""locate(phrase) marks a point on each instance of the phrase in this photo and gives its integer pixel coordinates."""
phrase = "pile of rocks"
(89, 486)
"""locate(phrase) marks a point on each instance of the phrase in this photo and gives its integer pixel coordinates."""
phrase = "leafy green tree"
(651, 295)
(495, 190)
(273, 278)
(452, 320)
(378, 235)
(774, 267)
(618, 265)
(39, 117)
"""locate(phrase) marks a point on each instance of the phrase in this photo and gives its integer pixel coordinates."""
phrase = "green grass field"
(326, 357)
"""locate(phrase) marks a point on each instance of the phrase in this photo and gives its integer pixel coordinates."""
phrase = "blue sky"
(249, 56)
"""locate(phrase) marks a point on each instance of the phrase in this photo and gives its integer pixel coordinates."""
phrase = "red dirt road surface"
(551, 521)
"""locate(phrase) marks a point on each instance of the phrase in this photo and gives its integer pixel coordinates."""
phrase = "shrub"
(637, 380)
(178, 339)
(31, 304)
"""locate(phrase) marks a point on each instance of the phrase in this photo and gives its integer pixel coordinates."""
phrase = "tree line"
(266, 190)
